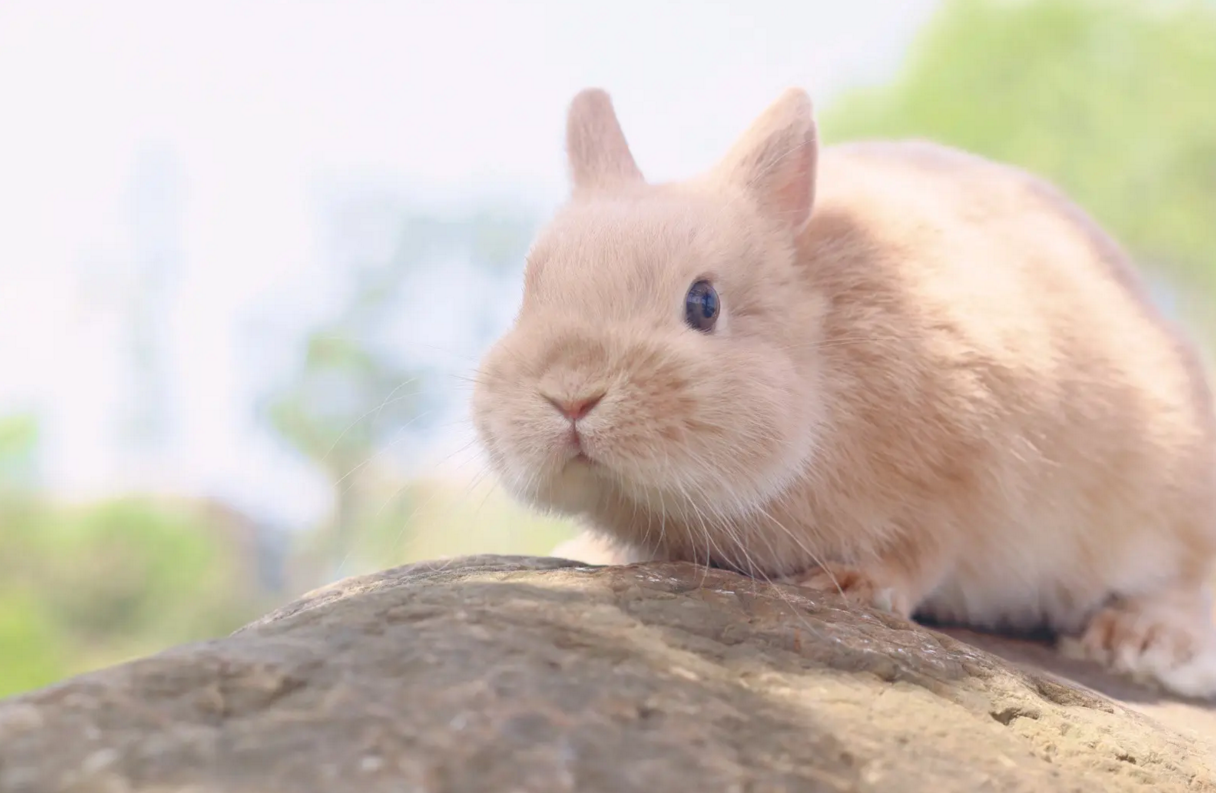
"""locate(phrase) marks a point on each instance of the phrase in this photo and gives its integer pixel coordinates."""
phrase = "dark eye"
(701, 307)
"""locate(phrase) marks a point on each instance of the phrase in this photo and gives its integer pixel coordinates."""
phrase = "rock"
(504, 674)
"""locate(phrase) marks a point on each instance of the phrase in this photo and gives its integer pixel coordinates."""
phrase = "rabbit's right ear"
(595, 145)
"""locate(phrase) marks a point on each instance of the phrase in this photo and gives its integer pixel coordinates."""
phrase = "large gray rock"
(508, 674)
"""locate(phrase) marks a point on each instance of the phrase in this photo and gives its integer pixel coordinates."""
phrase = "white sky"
(259, 102)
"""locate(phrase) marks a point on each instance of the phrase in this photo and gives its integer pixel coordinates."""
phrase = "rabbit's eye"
(701, 307)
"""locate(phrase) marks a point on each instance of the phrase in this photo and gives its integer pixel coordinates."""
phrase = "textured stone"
(509, 674)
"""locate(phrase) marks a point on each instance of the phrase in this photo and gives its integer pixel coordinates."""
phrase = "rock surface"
(507, 674)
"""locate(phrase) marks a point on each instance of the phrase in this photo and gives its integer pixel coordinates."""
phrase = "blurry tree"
(345, 405)
(1113, 100)
(355, 399)
(147, 424)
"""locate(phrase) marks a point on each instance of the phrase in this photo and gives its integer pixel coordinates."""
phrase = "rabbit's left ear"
(775, 159)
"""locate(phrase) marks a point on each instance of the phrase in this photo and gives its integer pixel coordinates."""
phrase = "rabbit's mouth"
(582, 460)
(576, 447)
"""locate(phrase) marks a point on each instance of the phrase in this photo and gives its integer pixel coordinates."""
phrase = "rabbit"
(890, 368)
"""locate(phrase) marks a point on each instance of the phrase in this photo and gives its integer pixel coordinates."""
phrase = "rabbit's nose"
(575, 408)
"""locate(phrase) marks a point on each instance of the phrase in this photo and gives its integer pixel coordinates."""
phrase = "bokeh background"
(250, 252)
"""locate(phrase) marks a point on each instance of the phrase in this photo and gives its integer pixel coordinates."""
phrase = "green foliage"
(87, 586)
(1113, 100)
(32, 653)
(146, 568)
(19, 436)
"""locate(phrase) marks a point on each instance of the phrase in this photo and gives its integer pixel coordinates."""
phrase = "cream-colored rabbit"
(894, 367)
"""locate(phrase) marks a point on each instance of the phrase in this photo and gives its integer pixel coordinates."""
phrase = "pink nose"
(575, 409)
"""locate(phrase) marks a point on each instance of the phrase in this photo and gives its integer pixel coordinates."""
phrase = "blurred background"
(250, 252)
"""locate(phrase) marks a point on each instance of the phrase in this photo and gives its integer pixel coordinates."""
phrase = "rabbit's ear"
(775, 159)
(598, 154)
